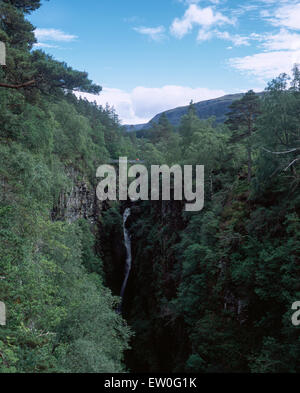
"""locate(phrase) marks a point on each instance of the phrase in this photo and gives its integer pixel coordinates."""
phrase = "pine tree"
(242, 121)
(187, 127)
(162, 130)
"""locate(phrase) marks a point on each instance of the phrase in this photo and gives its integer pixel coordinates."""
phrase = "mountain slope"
(217, 107)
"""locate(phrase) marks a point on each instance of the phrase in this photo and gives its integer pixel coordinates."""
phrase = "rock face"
(80, 202)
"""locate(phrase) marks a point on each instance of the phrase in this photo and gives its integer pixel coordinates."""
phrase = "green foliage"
(212, 291)
(60, 316)
(51, 74)
(242, 122)
(279, 133)
(25, 5)
(209, 291)
(55, 307)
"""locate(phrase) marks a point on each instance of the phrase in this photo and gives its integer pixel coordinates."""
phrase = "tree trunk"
(249, 164)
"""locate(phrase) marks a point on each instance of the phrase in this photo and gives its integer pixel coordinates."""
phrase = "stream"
(127, 242)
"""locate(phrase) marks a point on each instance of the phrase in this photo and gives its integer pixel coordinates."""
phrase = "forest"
(209, 291)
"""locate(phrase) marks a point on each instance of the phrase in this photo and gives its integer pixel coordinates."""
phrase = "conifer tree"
(242, 121)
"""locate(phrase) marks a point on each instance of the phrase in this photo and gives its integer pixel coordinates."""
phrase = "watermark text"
(186, 184)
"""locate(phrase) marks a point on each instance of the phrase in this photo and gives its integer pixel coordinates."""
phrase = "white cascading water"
(127, 242)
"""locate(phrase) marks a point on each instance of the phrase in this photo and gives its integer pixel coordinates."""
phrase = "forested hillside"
(60, 316)
(217, 108)
(209, 291)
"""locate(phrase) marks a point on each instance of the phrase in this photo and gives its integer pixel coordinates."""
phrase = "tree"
(25, 5)
(242, 121)
(295, 84)
(37, 69)
(279, 131)
(50, 74)
(162, 130)
(188, 126)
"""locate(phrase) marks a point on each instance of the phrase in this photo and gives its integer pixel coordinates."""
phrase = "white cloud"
(142, 103)
(204, 35)
(43, 45)
(53, 35)
(267, 64)
(155, 33)
(236, 39)
(281, 48)
(242, 9)
(287, 16)
(150, 101)
(204, 18)
(284, 40)
(198, 1)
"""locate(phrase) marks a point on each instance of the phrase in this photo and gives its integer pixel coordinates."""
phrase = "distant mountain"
(217, 107)
(137, 127)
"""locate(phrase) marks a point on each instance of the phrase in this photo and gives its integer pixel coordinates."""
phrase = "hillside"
(217, 107)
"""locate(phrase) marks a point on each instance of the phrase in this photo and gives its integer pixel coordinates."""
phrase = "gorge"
(207, 291)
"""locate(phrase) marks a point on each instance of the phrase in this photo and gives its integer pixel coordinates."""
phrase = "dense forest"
(209, 291)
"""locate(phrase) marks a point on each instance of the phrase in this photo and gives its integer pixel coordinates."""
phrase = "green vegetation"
(61, 317)
(209, 291)
(212, 291)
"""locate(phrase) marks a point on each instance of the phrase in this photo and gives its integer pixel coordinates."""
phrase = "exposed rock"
(80, 202)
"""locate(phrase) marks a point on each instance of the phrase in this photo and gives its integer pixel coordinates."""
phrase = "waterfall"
(127, 242)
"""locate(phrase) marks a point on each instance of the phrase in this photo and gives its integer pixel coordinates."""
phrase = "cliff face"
(79, 202)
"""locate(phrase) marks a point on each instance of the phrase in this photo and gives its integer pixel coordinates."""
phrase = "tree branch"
(282, 152)
(19, 86)
(292, 163)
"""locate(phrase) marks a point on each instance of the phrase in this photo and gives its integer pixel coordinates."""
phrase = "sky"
(153, 55)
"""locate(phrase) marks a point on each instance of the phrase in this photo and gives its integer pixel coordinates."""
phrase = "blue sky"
(154, 55)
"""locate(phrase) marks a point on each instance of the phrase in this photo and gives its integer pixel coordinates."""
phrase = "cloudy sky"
(154, 55)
